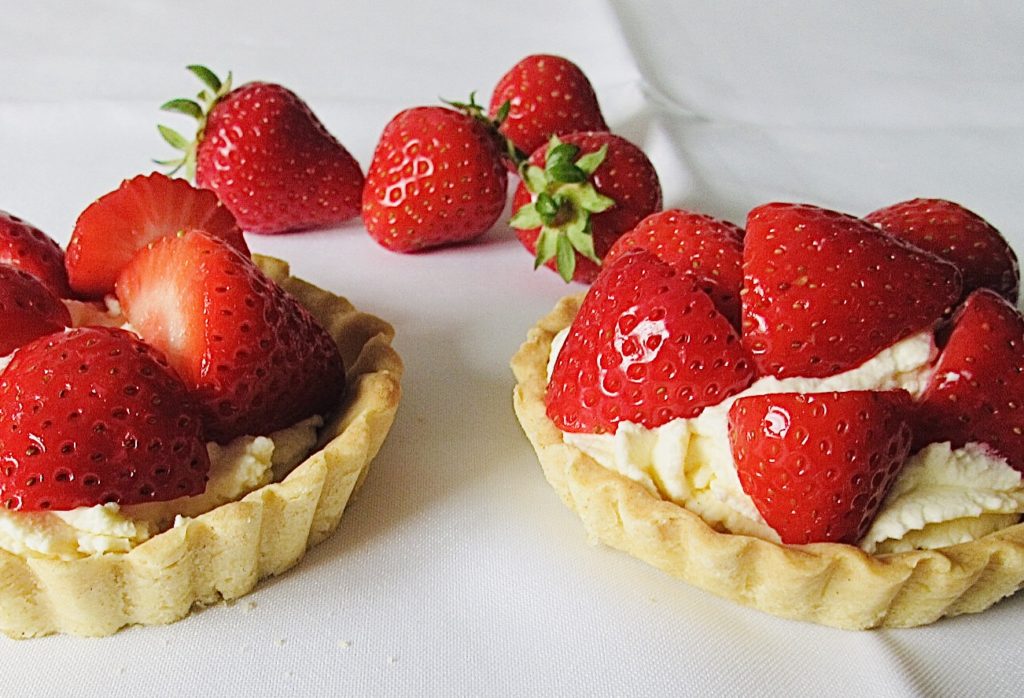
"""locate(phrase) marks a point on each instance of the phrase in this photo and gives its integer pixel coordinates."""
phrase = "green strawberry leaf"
(564, 172)
(583, 241)
(547, 246)
(590, 200)
(535, 179)
(502, 114)
(526, 218)
(566, 261)
(561, 153)
(183, 106)
(547, 207)
(175, 139)
(591, 161)
(208, 77)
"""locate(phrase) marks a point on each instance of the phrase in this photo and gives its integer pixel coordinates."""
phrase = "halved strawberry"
(961, 236)
(143, 209)
(255, 359)
(93, 415)
(24, 246)
(818, 465)
(977, 390)
(28, 309)
(648, 346)
(708, 248)
(823, 291)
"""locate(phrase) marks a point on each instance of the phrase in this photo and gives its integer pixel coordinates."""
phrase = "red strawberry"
(818, 466)
(647, 347)
(140, 211)
(546, 96)
(24, 246)
(255, 359)
(964, 238)
(28, 309)
(710, 249)
(267, 156)
(823, 291)
(436, 179)
(92, 416)
(977, 390)
(570, 208)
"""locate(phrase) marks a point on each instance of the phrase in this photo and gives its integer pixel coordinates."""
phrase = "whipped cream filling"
(236, 469)
(942, 496)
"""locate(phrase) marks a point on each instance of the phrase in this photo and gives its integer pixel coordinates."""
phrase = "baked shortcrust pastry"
(224, 552)
(834, 584)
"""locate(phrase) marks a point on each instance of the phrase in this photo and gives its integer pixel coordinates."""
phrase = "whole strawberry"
(818, 465)
(28, 309)
(647, 346)
(977, 390)
(544, 96)
(579, 193)
(710, 249)
(823, 291)
(267, 156)
(436, 179)
(93, 415)
(954, 233)
(24, 246)
(252, 356)
(142, 210)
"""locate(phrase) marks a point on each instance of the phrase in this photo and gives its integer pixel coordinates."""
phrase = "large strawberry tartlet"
(848, 453)
(192, 430)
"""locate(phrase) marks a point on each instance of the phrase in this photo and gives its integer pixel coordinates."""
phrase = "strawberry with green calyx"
(570, 208)
(261, 149)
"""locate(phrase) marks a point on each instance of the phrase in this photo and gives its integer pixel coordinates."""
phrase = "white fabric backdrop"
(457, 570)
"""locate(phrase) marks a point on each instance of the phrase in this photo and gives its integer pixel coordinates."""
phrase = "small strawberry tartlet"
(819, 416)
(178, 418)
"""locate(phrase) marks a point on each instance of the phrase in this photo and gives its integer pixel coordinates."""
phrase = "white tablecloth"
(457, 570)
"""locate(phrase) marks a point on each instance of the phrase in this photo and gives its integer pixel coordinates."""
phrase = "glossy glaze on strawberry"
(436, 179)
(568, 213)
(824, 291)
(94, 415)
(647, 346)
(26, 247)
(956, 234)
(708, 248)
(977, 390)
(254, 358)
(28, 309)
(142, 210)
(546, 96)
(818, 466)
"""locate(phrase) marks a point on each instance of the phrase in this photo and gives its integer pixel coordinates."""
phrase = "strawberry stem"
(199, 109)
(564, 201)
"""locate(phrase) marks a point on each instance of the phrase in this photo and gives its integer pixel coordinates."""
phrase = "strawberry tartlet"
(848, 453)
(188, 422)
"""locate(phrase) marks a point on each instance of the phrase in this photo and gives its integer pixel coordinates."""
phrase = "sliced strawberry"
(24, 246)
(823, 291)
(819, 465)
(648, 346)
(28, 309)
(579, 193)
(977, 390)
(543, 96)
(142, 210)
(708, 248)
(93, 415)
(954, 233)
(255, 358)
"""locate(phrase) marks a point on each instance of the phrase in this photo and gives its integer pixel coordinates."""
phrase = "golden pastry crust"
(223, 554)
(827, 583)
